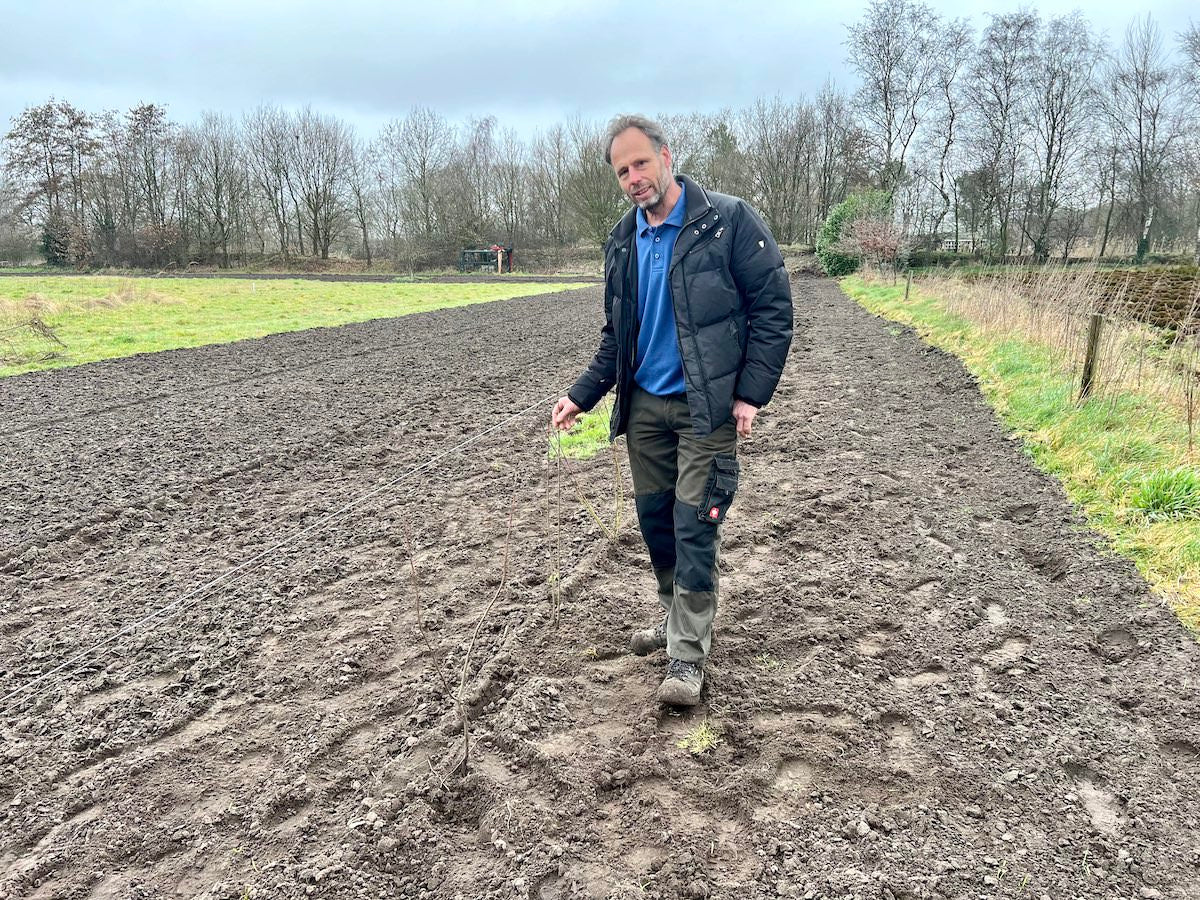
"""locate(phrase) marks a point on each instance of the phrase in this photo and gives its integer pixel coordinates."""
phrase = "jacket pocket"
(719, 490)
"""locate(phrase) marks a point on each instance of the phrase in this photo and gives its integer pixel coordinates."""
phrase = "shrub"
(838, 255)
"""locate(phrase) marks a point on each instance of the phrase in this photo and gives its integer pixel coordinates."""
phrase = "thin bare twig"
(553, 516)
(462, 679)
(412, 568)
(563, 466)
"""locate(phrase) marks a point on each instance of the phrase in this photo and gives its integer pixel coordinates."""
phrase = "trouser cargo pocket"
(719, 489)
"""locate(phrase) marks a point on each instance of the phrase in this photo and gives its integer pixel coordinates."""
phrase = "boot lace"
(682, 669)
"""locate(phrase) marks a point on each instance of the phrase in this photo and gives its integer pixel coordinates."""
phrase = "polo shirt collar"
(674, 218)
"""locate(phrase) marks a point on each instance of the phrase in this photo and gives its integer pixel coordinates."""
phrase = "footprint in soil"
(569, 744)
(791, 783)
(941, 544)
(931, 675)
(873, 644)
(1022, 514)
(1102, 805)
(1115, 644)
(1047, 563)
(900, 744)
(1008, 653)
(1180, 748)
(876, 643)
(925, 589)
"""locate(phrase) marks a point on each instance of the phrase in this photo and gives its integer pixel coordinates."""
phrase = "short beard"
(657, 197)
(652, 201)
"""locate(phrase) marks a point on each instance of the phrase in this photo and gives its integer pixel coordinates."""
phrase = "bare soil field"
(928, 678)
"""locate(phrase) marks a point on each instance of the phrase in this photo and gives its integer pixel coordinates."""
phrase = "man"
(698, 322)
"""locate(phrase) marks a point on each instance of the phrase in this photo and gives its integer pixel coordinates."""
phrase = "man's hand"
(743, 414)
(565, 411)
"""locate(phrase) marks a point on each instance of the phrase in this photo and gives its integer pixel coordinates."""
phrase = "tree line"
(1029, 137)
(1033, 136)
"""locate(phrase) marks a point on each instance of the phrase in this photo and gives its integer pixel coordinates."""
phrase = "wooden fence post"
(1089, 359)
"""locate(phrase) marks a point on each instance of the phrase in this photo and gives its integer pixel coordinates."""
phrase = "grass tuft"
(701, 739)
(1169, 494)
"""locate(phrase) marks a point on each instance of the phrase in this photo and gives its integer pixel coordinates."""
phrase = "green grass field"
(1123, 458)
(104, 317)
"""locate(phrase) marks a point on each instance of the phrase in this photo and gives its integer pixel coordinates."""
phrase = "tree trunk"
(1143, 244)
(1112, 202)
(1196, 252)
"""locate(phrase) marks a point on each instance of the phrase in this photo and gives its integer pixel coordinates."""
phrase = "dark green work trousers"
(683, 487)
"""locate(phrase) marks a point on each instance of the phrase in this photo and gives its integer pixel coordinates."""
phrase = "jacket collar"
(697, 205)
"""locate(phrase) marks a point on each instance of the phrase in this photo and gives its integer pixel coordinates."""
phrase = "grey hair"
(648, 127)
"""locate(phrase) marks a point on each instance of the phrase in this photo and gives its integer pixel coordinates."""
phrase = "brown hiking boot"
(646, 641)
(682, 685)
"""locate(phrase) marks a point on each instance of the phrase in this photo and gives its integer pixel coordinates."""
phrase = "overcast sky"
(530, 63)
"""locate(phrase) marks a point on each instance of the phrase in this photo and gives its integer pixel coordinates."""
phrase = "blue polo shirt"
(658, 367)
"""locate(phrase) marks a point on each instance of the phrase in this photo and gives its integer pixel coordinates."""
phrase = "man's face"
(644, 175)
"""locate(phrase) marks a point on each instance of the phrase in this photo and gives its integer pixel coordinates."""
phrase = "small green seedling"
(766, 662)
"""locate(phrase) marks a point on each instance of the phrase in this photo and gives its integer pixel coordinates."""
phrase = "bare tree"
(218, 182)
(687, 137)
(946, 123)
(593, 195)
(839, 143)
(996, 131)
(510, 185)
(47, 149)
(896, 50)
(1105, 169)
(422, 145)
(267, 140)
(998, 89)
(1144, 107)
(359, 184)
(149, 136)
(1060, 100)
(390, 187)
(779, 149)
(550, 170)
(466, 190)
(320, 160)
(1190, 41)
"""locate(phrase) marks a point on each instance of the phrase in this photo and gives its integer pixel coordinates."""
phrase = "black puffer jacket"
(733, 311)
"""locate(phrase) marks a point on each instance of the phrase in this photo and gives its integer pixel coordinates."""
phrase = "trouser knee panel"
(656, 520)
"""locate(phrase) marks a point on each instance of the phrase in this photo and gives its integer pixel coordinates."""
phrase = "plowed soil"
(929, 679)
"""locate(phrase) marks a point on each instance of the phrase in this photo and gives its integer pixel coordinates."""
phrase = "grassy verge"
(98, 318)
(1123, 457)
